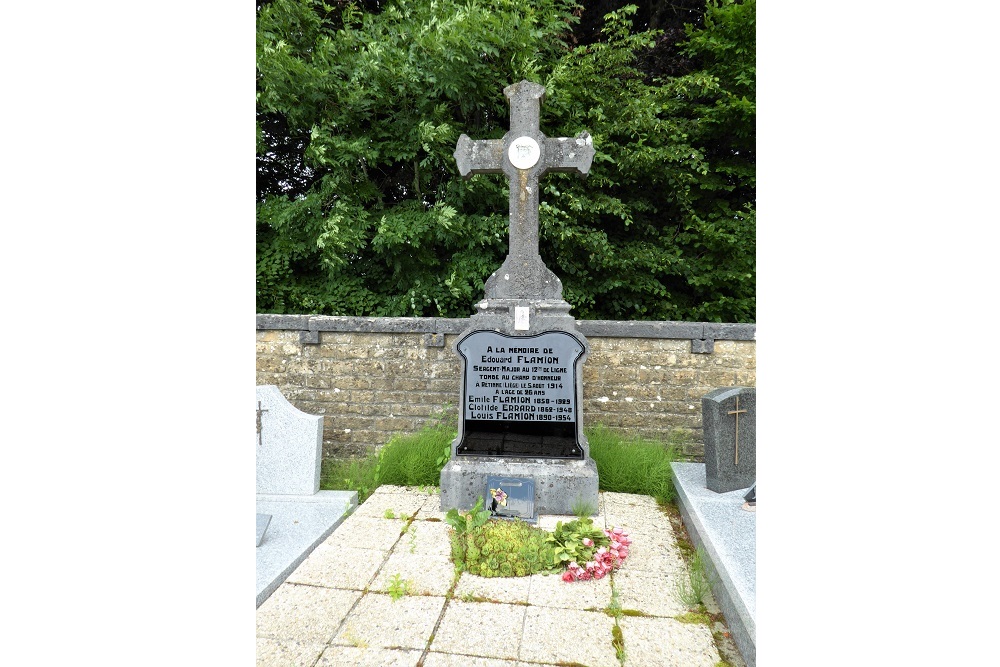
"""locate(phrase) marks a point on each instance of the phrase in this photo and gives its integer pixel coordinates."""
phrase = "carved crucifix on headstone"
(525, 155)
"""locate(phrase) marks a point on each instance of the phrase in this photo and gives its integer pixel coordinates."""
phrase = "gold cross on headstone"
(737, 412)
(260, 413)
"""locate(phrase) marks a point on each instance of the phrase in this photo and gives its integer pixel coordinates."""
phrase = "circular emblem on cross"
(524, 152)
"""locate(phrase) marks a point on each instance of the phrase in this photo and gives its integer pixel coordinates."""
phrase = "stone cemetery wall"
(372, 378)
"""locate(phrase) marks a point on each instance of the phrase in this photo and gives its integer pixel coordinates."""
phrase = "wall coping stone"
(446, 325)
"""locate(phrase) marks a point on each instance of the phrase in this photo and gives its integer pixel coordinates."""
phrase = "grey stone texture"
(559, 484)
(289, 446)
(729, 421)
(451, 325)
(523, 275)
(706, 346)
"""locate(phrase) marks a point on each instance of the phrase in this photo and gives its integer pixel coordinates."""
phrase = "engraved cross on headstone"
(260, 413)
(737, 412)
(525, 155)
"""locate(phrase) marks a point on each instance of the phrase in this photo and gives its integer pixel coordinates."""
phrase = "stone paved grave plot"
(428, 575)
(568, 636)
(303, 613)
(664, 642)
(287, 652)
(425, 538)
(652, 593)
(549, 590)
(380, 622)
(355, 656)
(486, 629)
(334, 566)
(493, 589)
(369, 533)
(403, 503)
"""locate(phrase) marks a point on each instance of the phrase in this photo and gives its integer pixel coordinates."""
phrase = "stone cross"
(525, 155)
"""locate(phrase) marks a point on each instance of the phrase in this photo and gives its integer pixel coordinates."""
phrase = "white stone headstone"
(289, 446)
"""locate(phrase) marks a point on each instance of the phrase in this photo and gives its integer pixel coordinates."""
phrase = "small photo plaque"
(511, 498)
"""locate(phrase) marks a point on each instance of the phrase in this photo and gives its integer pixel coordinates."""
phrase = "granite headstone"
(728, 418)
(289, 446)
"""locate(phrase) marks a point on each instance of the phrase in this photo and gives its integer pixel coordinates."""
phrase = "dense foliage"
(361, 210)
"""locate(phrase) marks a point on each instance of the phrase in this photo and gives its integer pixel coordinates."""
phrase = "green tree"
(360, 207)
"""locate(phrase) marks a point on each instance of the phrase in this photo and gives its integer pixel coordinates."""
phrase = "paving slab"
(363, 532)
(425, 575)
(493, 589)
(718, 523)
(335, 566)
(304, 613)
(399, 502)
(567, 635)
(298, 524)
(381, 622)
(288, 652)
(665, 642)
(651, 593)
(486, 629)
(549, 590)
(366, 656)
(425, 538)
(458, 660)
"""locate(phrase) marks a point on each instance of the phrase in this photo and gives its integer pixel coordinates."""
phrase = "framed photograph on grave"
(510, 498)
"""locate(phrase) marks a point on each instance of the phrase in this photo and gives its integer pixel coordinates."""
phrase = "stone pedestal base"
(559, 485)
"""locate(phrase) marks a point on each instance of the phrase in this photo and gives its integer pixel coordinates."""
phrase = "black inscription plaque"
(520, 395)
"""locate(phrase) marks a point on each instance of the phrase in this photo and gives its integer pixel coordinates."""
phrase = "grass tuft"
(414, 459)
(625, 464)
(633, 464)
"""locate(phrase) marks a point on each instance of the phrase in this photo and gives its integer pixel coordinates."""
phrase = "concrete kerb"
(717, 523)
(298, 524)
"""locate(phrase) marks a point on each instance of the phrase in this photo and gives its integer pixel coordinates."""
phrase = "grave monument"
(728, 418)
(521, 395)
(293, 514)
